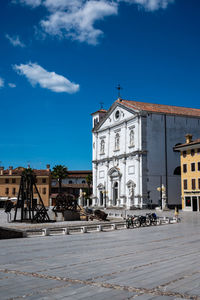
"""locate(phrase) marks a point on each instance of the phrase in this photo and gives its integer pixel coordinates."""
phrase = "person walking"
(176, 213)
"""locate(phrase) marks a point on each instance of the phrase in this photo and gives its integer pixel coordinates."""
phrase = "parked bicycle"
(144, 220)
(132, 222)
(154, 219)
(140, 220)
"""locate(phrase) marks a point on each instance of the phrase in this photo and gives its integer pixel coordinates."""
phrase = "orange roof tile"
(100, 110)
(18, 172)
(160, 108)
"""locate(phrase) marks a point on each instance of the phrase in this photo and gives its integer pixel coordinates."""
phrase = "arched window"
(102, 147)
(131, 141)
(70, 181)
(117, 141)
(177, 171)
(83, 181)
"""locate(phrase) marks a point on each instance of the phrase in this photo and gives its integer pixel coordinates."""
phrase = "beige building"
(190, 173)
(10, 182)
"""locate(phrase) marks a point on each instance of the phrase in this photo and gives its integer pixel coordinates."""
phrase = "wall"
(176, 129)
(112, 158)
(10, 186)
(189, 175)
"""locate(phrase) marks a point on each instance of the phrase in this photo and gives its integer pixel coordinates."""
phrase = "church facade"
(133, 152)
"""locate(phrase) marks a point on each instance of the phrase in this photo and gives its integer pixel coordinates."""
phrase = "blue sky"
(61, 58)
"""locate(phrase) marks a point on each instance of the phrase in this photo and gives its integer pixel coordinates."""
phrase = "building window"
(7, 191)
(44, 180)
(193, 184)
(131, 138)
(185, 184)
(199, 183)
(192, 167)
(70, 181)
(184, 168)
(188, 201)
(117, 115)
(198, 150)
(192, 152)
(6, 180)
(44, 191)
(83, 181)
(14, 191)
(117, 141)
(198, 166)
(13, 180)
(184, 153)
(102, 147)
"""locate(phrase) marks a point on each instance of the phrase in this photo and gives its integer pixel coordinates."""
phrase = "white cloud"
(1, 82)
(32, 3)
(150, 5)
(12, 85)
(49, 80)
(53, 5)
(15, 41)
(76, 19)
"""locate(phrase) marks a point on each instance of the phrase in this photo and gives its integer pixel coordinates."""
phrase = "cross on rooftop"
(101, 103)
(119, 88)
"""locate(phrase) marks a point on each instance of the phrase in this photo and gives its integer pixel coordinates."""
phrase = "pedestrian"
(176, 213)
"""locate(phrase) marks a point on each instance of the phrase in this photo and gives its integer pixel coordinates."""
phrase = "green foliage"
(59, 172)
(29, 174)
(89, 179)
(89, 182)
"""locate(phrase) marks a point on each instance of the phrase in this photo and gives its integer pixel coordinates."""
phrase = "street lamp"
(162, 189)
(82, 195)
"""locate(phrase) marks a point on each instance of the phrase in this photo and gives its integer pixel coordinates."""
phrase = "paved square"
(146, 263)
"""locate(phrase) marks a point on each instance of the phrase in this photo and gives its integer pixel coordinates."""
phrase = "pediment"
(117, 114)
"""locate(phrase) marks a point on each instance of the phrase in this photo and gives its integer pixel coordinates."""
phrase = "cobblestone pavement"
(147, 263)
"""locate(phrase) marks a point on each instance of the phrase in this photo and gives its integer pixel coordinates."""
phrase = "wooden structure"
(31, 211)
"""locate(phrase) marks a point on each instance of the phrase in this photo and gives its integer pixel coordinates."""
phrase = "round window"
(117, 115)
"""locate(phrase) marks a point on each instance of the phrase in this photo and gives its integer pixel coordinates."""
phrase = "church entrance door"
(101, 198)
(115, 193)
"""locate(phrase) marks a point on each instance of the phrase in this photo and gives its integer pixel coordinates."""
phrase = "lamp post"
(162, 189)
(82, 196)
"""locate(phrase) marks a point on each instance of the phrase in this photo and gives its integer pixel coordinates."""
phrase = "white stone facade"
(133, 155)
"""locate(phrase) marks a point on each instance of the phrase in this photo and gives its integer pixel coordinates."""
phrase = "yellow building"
(10, 182)
(190, 173)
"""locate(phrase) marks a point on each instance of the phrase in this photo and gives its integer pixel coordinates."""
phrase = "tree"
(89, 182)
(29, 173)
(59, 172)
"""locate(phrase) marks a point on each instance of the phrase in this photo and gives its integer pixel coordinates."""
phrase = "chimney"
(48, 167)
(1, 170)
(10, 170)
(188, 138)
